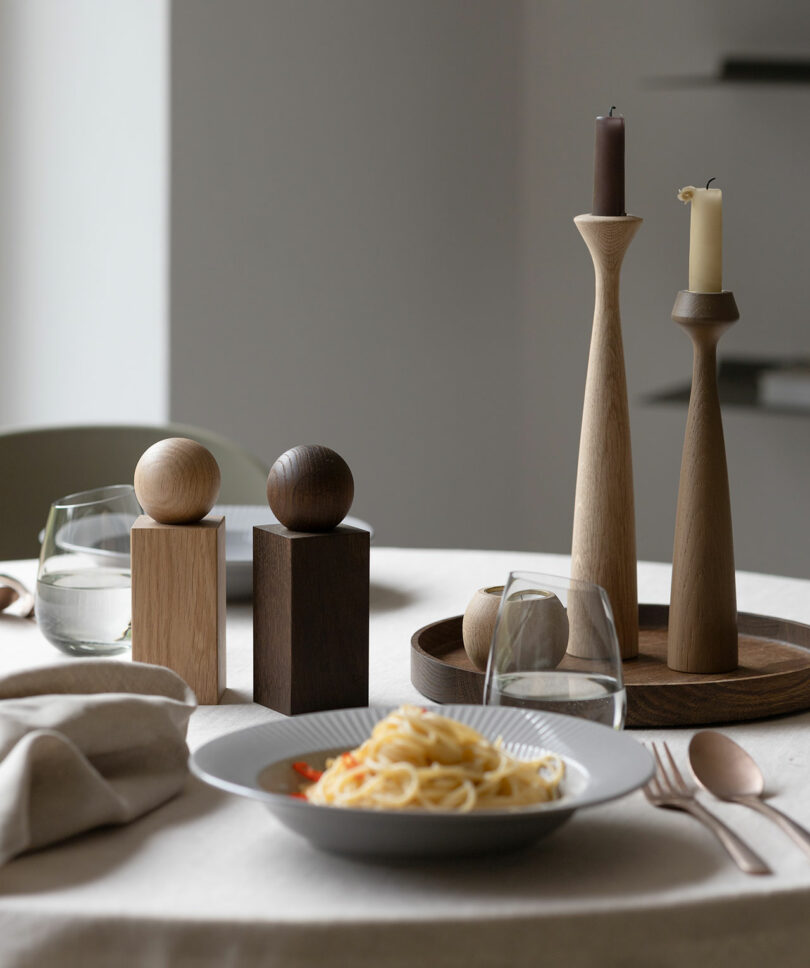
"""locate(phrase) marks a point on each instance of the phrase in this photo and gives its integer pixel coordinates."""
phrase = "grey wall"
(343, 214)
(372, 248)
(583, 57)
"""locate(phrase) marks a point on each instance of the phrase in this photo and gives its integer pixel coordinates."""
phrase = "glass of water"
(84, 589)
(555, 648)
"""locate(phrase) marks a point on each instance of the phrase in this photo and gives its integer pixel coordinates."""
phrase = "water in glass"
(86, 612)
(595, 697)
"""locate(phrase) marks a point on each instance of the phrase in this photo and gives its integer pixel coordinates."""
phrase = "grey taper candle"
(608, 170)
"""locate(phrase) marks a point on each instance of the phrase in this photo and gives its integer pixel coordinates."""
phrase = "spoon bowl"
(723, 767)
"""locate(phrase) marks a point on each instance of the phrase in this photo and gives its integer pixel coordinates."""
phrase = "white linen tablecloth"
(212, 879)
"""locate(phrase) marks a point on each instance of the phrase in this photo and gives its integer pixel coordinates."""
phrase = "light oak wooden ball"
(478, 624)
(310, 488)
(177, 481)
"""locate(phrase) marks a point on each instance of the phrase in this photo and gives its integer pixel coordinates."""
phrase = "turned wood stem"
(603, 549)
(702, 634)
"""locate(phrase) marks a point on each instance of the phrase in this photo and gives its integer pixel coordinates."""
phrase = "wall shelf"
(741, 70)
(778, 386)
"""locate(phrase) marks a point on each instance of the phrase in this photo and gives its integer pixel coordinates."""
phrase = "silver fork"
(668, 789)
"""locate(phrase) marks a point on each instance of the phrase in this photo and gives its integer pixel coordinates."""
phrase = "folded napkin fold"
(87, 743)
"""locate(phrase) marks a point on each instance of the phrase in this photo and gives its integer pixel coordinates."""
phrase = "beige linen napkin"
(87, 743)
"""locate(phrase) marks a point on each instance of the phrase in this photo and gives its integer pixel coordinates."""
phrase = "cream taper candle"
(705, 237)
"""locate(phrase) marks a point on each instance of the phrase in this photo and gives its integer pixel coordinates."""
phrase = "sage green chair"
(38, 466)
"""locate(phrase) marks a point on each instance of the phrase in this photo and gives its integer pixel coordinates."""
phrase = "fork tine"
(654, 787)
(660, 771)
(679, 780)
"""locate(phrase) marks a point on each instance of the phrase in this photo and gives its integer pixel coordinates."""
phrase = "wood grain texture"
(310, 619)
(479, 623)
(703, 600)
(310, 488)
(178, 601)
(177, 481)
(603, 548)
(772, 678)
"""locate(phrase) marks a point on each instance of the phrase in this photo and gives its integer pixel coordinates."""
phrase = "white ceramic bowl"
(240, 520)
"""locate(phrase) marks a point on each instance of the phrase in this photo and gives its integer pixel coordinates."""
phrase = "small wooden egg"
(177, 481)
(7, 596)
(535, 623)
(478, 624)
(310, 488)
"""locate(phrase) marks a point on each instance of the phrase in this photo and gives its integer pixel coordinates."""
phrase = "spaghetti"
(419, 759)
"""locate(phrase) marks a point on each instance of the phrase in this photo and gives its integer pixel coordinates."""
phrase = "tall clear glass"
(555, 648)
(84, 587)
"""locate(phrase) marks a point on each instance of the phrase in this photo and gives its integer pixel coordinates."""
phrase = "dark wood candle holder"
(702, 634)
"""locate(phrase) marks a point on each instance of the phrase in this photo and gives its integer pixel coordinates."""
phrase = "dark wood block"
(310, 619)
(178, 601)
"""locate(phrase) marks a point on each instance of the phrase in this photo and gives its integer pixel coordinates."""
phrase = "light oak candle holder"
(603, 549)
(702, 634)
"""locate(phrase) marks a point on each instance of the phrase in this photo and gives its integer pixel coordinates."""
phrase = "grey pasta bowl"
(601, 765)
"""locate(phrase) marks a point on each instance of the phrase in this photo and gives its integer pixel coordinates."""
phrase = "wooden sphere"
(478, 624)
(310, 488)
(177, 481)
(7, 596)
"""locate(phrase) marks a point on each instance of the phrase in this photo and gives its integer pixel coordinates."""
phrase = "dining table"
(212, 879)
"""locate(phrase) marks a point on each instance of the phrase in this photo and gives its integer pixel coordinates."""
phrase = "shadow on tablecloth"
(588, 858)
(88, 857)
(387, 598)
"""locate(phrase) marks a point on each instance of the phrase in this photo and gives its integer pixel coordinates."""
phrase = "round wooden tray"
(773, 676)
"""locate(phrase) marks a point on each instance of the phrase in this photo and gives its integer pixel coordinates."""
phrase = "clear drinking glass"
(555, 648)
(84, 589)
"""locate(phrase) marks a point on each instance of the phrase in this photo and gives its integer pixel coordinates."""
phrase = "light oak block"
(178, 601)
(603, 548)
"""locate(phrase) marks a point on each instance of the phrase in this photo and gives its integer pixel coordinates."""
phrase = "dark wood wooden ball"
(310, 488)
(177, 481)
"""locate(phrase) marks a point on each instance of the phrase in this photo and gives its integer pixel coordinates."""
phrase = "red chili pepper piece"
(299, 796)
(307, 772)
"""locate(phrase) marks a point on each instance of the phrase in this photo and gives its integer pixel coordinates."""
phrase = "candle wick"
(710, 181)
(612, 109)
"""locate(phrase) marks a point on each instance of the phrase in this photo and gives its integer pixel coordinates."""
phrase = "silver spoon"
(726, 770)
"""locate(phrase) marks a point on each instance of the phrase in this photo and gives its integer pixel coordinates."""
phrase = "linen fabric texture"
(88, 743)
